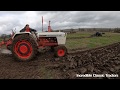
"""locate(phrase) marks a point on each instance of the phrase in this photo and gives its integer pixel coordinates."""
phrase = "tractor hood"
(51, 34)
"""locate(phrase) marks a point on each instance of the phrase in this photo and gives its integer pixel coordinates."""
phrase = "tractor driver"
(27, 29)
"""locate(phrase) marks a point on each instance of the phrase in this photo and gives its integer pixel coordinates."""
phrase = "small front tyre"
(60, 51)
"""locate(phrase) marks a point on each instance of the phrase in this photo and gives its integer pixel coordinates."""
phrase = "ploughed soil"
(101, 63)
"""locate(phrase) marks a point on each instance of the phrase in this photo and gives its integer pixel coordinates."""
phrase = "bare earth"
(103, 60)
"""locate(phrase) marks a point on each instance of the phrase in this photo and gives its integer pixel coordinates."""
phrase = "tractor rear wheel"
(60, 51)
(24, 48)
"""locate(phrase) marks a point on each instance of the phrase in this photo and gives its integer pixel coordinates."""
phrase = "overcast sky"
(59, 20)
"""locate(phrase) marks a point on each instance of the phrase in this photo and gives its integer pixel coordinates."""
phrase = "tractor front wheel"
(60, 51)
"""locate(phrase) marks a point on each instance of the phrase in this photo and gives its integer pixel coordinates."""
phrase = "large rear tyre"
(60, 51)
(24, 48)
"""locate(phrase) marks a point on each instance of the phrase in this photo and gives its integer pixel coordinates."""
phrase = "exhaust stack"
(49, 27)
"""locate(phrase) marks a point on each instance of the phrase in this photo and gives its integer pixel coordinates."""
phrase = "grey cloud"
(59, 19)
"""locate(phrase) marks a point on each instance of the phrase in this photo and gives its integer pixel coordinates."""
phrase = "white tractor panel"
(61, 36)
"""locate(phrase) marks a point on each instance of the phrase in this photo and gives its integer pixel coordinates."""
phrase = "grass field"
(0, 39)
(82, 40)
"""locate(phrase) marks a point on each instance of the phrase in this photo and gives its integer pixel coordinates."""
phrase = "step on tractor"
(24, 45)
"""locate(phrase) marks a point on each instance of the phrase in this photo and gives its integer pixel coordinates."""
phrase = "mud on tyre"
(24, 48)
(60, 51)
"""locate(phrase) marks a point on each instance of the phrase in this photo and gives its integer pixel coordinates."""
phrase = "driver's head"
(27, 26)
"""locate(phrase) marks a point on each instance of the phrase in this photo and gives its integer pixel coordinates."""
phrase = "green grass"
(79, 34)
(1, 39)
(88, 43)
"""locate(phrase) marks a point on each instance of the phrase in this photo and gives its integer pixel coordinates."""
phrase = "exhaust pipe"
(49, 27)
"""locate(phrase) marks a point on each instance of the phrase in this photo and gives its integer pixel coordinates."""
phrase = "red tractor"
(24, 45)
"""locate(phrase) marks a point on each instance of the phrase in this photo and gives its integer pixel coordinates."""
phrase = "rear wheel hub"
(24, 49)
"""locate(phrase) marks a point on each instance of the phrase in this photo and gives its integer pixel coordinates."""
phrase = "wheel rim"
(61, 52)
(23, 49)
